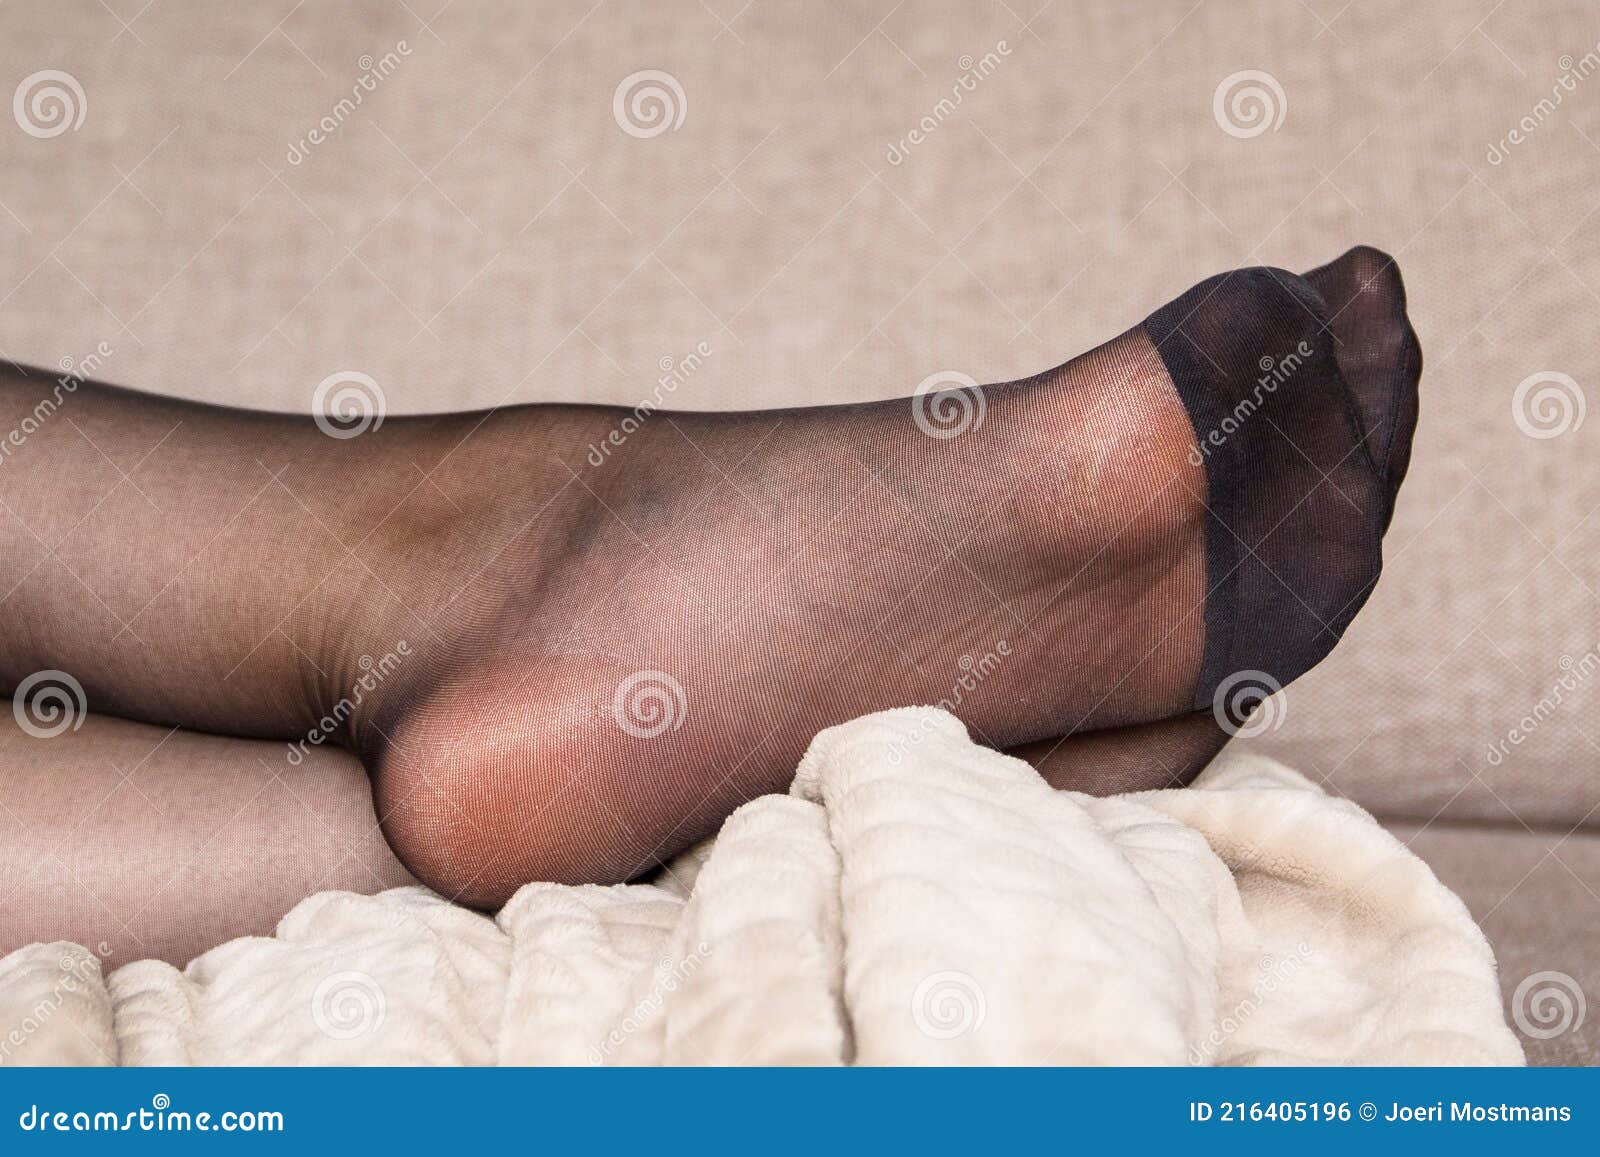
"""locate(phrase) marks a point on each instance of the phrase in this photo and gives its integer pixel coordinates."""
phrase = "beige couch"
(479, 228)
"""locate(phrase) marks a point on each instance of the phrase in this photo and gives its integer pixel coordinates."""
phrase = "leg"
(138, 841)
(476, 604)
(1143, 757)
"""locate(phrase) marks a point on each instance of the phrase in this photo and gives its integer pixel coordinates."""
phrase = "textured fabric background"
(480, 229)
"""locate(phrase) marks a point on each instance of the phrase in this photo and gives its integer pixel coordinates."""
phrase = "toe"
(1378, 353)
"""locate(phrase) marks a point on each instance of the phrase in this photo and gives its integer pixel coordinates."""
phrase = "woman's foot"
(1381, 361)
(567, 641)
(1072, 561)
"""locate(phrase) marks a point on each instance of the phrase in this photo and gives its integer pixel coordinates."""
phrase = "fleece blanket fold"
(915, 899)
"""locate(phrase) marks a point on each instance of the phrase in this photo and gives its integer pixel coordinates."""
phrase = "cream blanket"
(914, 899)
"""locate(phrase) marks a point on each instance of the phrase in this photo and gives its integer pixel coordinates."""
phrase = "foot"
(1112, 543)
(568, 640)
(1381, 361)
